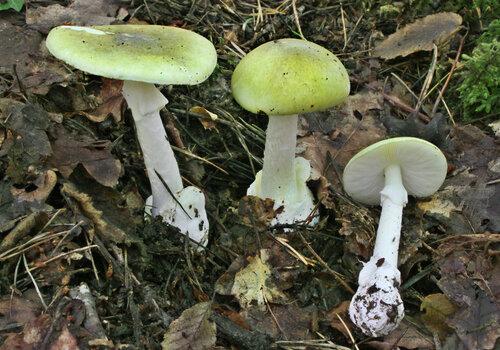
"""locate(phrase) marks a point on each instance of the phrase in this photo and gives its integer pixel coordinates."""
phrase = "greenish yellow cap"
(289, 76)
(147, 53)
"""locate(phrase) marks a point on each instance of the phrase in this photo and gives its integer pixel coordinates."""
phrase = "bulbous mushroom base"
(377, 308)
(297, 203)
(195, 226)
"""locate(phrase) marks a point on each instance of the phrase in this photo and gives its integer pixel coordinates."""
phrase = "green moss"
(480, 87)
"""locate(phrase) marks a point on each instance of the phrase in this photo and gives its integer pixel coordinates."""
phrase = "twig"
(344, 30)
(335, 274)
(428, 78)
(445, 86)
(34, 282)
(348, 331)
(396, 102)
(296, 17)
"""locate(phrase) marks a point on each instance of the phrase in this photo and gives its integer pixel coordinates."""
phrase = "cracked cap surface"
(147, 53)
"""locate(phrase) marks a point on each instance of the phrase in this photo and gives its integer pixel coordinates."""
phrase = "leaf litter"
(72, 196)
(420, 35)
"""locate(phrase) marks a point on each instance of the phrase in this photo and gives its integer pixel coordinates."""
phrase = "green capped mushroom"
(282, 78)
(144, 55)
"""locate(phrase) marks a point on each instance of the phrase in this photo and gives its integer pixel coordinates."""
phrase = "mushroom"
(385, 173)
(144, 55)
(282, 78)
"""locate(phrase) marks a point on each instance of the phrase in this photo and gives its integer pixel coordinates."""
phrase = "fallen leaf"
(209, 121)
(405, 336)
(280, 321)
(65, 341)
(419, 35)
(254, 283)
(31, 145)
(192, 330)
(95, 156)
(250, 283)
(465, 199)
(256, 212)
(469, 279)
(342, 311)
(78, 12)
(44, 184)
(358, 226)
(32, 335)
(92, 322)
(437, 308)
(104, 227)
(111, 102)
(436, 131)
(35, 69)
(329, 142)
(17, 44)
(17, 310)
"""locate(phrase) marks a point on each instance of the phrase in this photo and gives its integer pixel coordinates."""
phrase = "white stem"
(278, 172)
(145, 102)
(393, 198)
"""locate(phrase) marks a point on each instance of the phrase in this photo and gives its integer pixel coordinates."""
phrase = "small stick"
(296, 17)
(445, 86)
(335, 274)
(34, 282)
(428, 78)
(348, 331)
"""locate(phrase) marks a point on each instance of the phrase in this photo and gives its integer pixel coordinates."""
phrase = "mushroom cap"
(289, 76)
(147, 53)
(423, 168)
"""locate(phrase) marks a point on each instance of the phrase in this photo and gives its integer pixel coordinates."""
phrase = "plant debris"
(82, 266)
(420, 35)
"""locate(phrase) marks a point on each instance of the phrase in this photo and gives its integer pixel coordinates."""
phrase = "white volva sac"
(143, 56)
(385, 173)
(282, 78)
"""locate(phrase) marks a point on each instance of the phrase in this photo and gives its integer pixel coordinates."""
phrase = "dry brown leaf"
(405, 336)
(342, 311)
(44, 185)
(17, 44)
(86, 206)
(256, 212)
(192, 330)
(287, 321)
(78, 12)
(112, 101)
(330, 142)
(32, 335)
(209, 121)
(419, 35)
(469, 278)
(65, 341)
(17, 310)
(466, 200)
(95, 156)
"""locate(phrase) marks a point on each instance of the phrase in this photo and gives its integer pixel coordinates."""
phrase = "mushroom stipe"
(385, 173)
(144, 55)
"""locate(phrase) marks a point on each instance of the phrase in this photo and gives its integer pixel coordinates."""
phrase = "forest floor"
(80, 266)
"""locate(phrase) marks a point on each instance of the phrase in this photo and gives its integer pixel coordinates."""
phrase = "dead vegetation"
(80, 267)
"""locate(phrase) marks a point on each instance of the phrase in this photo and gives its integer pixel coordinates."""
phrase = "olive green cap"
(147, 53)
(289, 76)
(423, 168)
